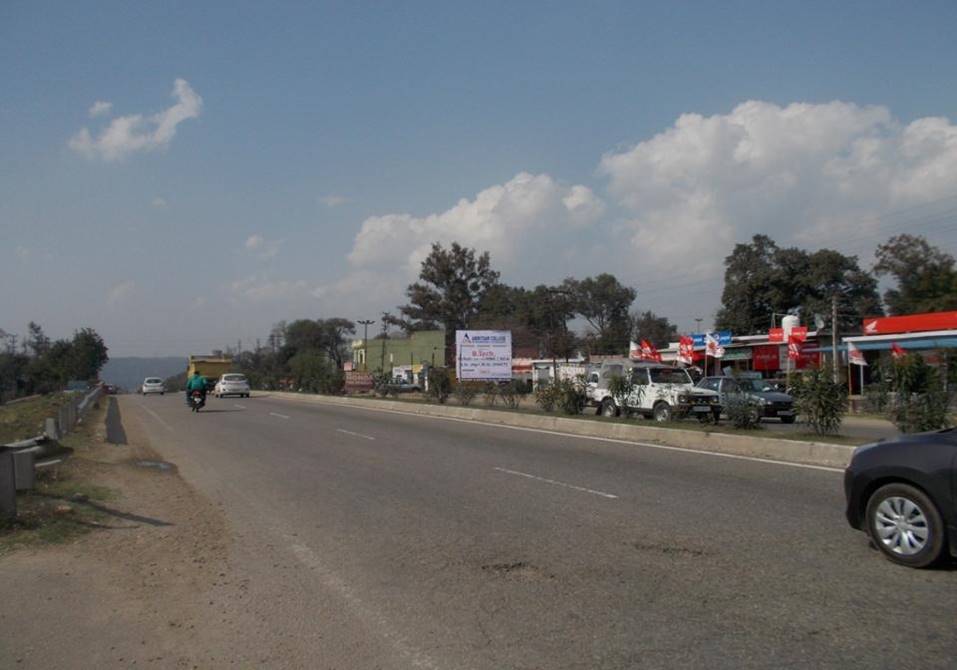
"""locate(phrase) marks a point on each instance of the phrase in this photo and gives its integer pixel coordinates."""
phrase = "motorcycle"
(196, 401)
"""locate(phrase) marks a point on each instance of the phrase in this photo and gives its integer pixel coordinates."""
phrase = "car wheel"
(787, 419)
(609, 408)
(662, 412)
(905, 525)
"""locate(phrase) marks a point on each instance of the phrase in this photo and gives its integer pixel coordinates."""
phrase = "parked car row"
(664, 393)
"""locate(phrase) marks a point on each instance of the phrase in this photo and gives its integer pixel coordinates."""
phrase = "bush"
(382, 385)
(513, 393)
(820, 401)
(570, 397)
(742, 411)
(440, 385)
(622, 388)
(465, 392)
(490, 393)
(921, 403)
(546, 396)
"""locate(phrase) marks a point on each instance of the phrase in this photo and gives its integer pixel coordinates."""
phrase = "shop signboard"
(910, 323)
(766, 357)
(483, 355)
(723, 337)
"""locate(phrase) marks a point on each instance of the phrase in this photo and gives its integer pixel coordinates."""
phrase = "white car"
(232, 384)
(658, 392)
(153, 385)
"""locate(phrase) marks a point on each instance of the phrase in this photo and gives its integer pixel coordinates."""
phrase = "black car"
(768, 401)
(903, 493)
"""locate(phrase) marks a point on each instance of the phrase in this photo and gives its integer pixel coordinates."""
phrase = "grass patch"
(23, 420)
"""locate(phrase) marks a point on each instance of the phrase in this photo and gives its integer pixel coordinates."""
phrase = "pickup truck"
(660, 392)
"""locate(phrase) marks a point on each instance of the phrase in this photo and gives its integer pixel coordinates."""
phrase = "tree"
(452, 284)
(925, 275)
(604, 303)
(88, 355)
(549, 311)
(334, 338)
(37, 341)
(748, 297)
(304, 335)
(656, 329)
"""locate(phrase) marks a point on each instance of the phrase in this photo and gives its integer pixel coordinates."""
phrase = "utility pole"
(365, 341)
(834, 338)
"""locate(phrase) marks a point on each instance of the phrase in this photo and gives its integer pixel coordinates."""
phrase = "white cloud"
(804, 173)
(100, 108)
(500, 219)
(333, 200)
(260, 246)
(128, 134)
(159, 202)
(258, 288)
(119, 293)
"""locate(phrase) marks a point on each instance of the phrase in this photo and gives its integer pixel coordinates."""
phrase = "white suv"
(656, 391)
(153, 385)
(232, 384)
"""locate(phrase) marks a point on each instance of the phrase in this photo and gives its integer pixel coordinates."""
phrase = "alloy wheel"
(901, 526)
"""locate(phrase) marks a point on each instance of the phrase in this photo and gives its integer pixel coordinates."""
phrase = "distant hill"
(130, 372)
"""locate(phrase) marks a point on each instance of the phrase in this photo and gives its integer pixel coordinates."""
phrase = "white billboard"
(483, 354)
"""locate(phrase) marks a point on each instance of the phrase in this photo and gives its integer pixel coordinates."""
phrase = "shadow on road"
(114, 424)
(217, 411)
(126, 516)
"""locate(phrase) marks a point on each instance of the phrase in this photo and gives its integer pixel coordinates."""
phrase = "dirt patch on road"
(146, 585)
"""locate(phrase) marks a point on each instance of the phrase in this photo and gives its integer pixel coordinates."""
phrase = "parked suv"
(766, 400)
(660, 392)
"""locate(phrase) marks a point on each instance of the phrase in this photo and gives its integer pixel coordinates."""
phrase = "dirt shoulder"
(148, 585)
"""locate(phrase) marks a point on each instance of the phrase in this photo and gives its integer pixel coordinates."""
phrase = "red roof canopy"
(910, 323)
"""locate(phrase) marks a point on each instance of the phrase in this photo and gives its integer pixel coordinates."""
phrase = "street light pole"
(365, 342)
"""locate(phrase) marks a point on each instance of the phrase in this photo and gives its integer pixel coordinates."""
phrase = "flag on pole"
(794, 348)
(649, 352)
(855, 355)
(634, 351)
(712, 346)
(897, 351)
(686, 350)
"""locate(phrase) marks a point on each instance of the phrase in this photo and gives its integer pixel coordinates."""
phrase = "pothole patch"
(162, 466)
(516, 570)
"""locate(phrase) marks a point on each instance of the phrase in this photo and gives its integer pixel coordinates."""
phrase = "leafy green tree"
(37, 341)
(452, 284)
(313, 372)
(656, 329)
(819, 401)
(920, 401)
(747, 300)
(89, 354)
(603, 302)
(549, 311)
(926, 277)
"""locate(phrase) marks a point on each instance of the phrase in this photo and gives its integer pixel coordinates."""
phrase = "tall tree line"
(42, 365)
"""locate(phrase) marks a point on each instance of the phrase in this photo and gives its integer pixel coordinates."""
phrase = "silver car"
(153, 385)
(232, 384)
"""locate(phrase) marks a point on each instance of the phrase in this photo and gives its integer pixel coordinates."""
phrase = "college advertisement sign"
(483, 355)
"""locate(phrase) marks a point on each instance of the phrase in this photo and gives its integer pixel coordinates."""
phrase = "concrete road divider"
(754, 446)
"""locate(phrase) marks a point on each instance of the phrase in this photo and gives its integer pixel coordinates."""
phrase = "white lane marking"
(158, 418)
(281, 416)
(557, 483)
(349, 432)
(612, 440)
(239, 406)
(367, 613)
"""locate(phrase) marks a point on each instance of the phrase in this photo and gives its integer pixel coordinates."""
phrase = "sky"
(180, 176)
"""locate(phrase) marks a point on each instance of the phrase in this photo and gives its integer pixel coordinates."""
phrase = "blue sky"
(333, 141)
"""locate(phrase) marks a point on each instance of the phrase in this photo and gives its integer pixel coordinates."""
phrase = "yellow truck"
(211, 367)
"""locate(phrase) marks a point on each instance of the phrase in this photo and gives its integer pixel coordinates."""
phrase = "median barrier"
(754, 446)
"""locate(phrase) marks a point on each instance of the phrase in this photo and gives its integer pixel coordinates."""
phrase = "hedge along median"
(757, 446)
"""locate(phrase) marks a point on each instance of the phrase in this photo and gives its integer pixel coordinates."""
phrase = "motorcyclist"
(196, 383)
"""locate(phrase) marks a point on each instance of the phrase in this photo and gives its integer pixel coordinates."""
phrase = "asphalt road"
(375, 539)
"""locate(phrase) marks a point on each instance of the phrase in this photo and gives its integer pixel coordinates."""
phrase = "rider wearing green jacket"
(196, 383)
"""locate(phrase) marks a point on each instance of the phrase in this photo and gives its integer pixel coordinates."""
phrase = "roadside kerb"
(792, 451)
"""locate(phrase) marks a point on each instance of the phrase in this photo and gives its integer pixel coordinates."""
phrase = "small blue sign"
(724, 338)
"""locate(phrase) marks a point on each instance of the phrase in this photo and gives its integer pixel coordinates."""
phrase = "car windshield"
(758, 385)
(154, 380)
(669, 376)
(234, 378)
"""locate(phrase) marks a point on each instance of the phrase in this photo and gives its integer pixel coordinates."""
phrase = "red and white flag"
(794, 347)
(855, 355)
(686, 350)
(897, 351)
(712, 347)
(634, 351)
(649, 352)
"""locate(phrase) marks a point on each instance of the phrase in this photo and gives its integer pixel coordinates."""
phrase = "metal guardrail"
(18, 460)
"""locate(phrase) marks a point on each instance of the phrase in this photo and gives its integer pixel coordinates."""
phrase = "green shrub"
(465, 392)
(920, 401)
(513, 393)
(570, 397)
(490, 393)
(440, 385)
(546, 396)
(743, 412)
(820, 401)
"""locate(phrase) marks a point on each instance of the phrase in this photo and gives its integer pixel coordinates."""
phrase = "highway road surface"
(372, 539)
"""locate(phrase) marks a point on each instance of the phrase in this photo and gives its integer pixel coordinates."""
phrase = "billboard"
(483, 354)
